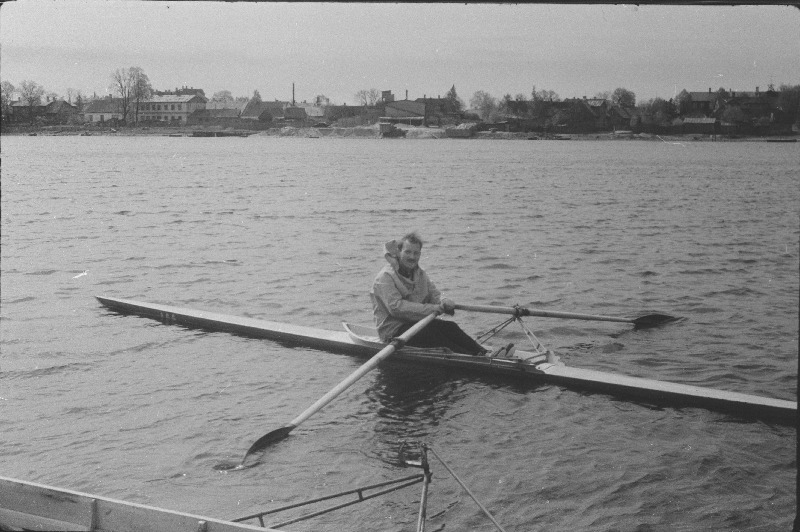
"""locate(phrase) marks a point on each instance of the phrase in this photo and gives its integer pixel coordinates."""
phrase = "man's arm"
(435, 296)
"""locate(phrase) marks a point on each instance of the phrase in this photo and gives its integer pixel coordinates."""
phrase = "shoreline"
(372, 132)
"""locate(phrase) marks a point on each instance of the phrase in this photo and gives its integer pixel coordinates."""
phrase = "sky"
(337, 49)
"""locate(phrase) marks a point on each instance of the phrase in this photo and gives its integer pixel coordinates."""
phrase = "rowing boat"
(535, 367)
(31, 506)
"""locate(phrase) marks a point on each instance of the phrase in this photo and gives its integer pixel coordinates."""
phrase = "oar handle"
(522, 311)
(396, 344)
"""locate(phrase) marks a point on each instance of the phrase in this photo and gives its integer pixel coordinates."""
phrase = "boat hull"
(30, 506)
(536, 370)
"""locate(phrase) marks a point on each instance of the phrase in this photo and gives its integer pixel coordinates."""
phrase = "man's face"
(409, 255)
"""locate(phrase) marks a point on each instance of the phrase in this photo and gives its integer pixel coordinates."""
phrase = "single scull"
(531, 366)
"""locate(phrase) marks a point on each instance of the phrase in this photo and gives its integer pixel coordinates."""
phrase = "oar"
(650, 320)
(282, 432)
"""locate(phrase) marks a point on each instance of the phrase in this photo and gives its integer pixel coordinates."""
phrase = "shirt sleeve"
(434, 296)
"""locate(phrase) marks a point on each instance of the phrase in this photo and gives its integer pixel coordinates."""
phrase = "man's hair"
(412, 238)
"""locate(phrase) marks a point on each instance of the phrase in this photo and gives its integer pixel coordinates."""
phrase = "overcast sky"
(338, 49)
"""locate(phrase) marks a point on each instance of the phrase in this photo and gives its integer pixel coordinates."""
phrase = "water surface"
(292, 230)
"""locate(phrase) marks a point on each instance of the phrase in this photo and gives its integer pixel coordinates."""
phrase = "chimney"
(292, 94)
(709, 90)
(406, 94)
(756, 91)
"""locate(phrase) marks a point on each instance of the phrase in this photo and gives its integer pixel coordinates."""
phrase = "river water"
(291, 230)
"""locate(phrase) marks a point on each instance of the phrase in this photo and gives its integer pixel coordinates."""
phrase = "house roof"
(181, 98)
(689, 120)
(595, 102)
(57, 106)
(295, 113)
(412, 108)
(704, 96)
(254, 109)
(20, 103)
(211, 104)
(104, 105)
(623, 112)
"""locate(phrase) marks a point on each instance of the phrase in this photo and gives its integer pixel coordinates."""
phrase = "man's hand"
(447, 306)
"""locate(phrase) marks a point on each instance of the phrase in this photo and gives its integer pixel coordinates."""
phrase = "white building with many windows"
(173, 109)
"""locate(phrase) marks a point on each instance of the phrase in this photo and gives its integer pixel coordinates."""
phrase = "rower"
(402, 294)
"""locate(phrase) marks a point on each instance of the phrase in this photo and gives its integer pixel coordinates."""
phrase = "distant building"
(701, 125)
(53, 112)
(621, 117)
(703, 103)
(171, 108)
(264, 111)
(405, 112)
(600, 109)
(294, 113)
(238, 105)
(434, 106)
(103, 110)
(216, 117)
(313, 112)
(201, 116)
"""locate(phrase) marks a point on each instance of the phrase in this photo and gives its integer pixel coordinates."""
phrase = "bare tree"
(368, 97)
(373, 96)
(223, 96)
(7, 91)
(485, 104)
(544, 95)
(31, 94)
(133, 87)
(141, 90)
(122, 85)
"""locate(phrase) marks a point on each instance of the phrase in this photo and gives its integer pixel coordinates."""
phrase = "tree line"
(132, 87)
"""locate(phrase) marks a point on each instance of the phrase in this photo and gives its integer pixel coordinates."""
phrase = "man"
(403, 294)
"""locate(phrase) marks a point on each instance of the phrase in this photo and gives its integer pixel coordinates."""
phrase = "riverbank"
(372, 131)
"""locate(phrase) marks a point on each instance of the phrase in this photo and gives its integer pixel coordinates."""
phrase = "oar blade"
(280, 433)
(268, 439)
(653, 320)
